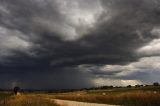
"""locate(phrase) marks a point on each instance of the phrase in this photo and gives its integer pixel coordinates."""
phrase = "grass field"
(143, 96)
(146, 96)
(4, 95)
(27, 100)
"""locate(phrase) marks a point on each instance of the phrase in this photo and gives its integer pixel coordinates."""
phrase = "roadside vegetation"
(27, 100)
(142, 96)
(125, 96)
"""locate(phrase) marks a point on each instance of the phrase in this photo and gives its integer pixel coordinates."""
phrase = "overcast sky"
(79, 43)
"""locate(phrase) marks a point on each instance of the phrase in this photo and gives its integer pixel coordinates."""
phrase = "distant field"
(144, 96)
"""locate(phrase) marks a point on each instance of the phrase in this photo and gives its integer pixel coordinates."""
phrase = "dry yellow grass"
(128, 98)
(27, 100)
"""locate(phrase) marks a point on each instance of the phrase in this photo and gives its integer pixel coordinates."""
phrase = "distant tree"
(16, 90)
(129, 86)
(156, 84)
(104, 87)
(118, 87)
(111, 86)
(137, 86)
(1, 89)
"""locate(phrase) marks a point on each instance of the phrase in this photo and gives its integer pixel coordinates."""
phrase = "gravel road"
(73, 103)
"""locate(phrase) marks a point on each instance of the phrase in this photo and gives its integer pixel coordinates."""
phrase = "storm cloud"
(52, 41)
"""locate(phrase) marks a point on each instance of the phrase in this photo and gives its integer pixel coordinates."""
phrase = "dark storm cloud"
(111, 42)
(115, 41)
(43, 24)
(20, 13)
(62, 79)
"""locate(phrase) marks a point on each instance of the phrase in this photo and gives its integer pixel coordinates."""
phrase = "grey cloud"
(145, 70)
(47, 79)
(114, 41)
(110, 34)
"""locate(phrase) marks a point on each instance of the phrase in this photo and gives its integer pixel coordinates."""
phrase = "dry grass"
(27, 100)
(4, 95)
(128, 97)
(138, 98)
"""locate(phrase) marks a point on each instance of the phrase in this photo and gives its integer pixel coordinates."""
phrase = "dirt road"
(73, 103)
